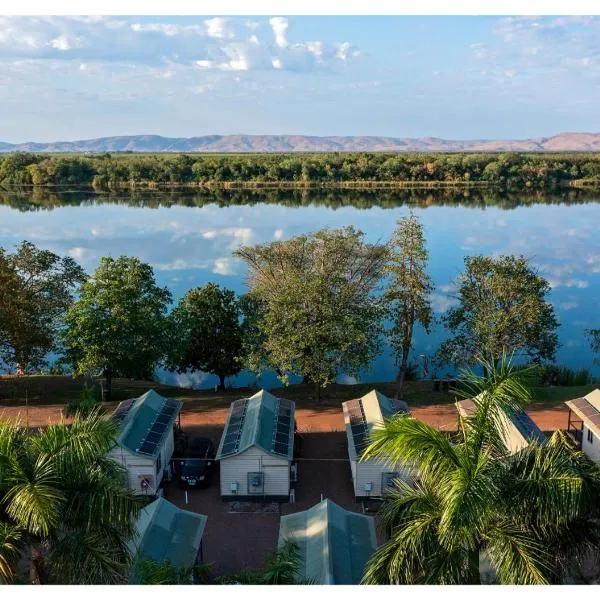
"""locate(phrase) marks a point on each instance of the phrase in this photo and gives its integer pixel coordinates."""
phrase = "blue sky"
(454, 77)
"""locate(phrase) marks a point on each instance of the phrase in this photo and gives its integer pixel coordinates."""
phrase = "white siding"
(138, 467)
(372, 471)
(591, 449)
(236, 468)
(353, 469)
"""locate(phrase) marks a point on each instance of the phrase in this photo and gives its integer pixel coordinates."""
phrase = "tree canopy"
(502, 308)
(118, 324)
(36, 289)
(63, 504)
(408, 290)
(208, 334)
(477, 513)
(319, 313)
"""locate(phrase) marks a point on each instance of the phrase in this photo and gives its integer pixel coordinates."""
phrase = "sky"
(68, 78)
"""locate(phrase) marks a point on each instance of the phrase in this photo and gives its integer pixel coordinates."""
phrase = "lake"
(188, 237)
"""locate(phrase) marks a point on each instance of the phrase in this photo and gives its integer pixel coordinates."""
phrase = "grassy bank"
(45, 390)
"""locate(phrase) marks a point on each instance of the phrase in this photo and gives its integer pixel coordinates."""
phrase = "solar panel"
(124, 407)
(280, 448)
(595, 419)
(162, 418)
(228, 448)
(153, 438)
(358, 425)
(147, 447)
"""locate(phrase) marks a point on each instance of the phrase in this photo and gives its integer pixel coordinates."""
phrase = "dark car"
(197, 466)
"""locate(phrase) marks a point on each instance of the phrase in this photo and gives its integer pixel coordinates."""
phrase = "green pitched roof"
(376, 407)
(335, 544)
(138, 415)
(258, 427)
(167, 533)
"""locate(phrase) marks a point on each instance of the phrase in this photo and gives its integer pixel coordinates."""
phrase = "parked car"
(198, 464)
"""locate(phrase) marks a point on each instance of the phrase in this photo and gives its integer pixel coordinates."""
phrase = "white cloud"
(280, 26)
(441, 303)
(220, 44)
(219, 28)
(223, 266)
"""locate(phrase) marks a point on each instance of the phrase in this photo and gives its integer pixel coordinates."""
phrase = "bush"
(84, 404)
(563, 376)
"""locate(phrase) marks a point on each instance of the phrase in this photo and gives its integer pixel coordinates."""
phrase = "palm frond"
(11, 540)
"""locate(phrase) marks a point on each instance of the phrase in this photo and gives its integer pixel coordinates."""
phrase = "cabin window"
(590, 436)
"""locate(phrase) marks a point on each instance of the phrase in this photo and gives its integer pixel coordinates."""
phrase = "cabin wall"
(372, 471)
(137, 468)
(353, 471)
(276, 475)
(590, 448)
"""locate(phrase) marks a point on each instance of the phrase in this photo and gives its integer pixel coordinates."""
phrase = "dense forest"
(104, 171)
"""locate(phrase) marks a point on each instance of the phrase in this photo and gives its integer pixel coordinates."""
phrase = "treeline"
(510, 170)
(46, 198)
(316, 305)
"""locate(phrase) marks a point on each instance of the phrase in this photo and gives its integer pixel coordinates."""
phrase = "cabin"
(584, 423)
(371, 479)
(518, 429)
(146, 440)
(165, 532)
(257, 448)
(335, 544)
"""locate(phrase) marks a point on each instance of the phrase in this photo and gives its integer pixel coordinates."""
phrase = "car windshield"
(193, 467)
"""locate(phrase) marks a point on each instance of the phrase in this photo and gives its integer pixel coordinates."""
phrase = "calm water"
(189, 238)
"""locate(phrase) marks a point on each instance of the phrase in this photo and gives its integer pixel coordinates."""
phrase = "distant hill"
(576, 142)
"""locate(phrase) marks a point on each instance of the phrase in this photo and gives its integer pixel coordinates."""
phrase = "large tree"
(475, 509)
(63, 505)
(502, 308)
(36, 289)
(407, 294)
(318, 309)
(208, 334)
(118, 324)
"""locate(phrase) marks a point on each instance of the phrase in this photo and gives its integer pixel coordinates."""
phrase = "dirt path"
(207, 419)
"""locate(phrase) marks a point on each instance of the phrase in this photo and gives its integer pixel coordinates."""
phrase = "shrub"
(564, 376)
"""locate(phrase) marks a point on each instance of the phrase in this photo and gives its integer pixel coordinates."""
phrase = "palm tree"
(63, 503)
(532, 517)
(282, 567)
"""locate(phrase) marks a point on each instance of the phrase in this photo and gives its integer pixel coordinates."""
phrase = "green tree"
(593, 336)
(254, 354)
(152, 572)
(407, 294)
(533, 516)
(320, 314)
(502, 309)
(62, 503)
(118, 323)
(208, 332)
(36, 289)
(282, 567)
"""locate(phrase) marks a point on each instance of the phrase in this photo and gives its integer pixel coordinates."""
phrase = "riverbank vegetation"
(317, 305)
(359, 169)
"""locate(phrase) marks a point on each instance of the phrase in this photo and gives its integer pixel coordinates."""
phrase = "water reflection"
(189, 236)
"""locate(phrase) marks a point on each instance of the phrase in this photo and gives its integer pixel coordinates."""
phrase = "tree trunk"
(221, 381)
(35, 565)
(400, 379)
(108, 377)
(317, 392)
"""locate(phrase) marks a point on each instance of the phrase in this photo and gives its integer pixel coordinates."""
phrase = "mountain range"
(568, 141)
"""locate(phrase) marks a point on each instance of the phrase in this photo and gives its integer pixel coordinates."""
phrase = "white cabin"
(371, 479)
(584, 423)
(518, 429)
(257, 449)
(146, 440)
